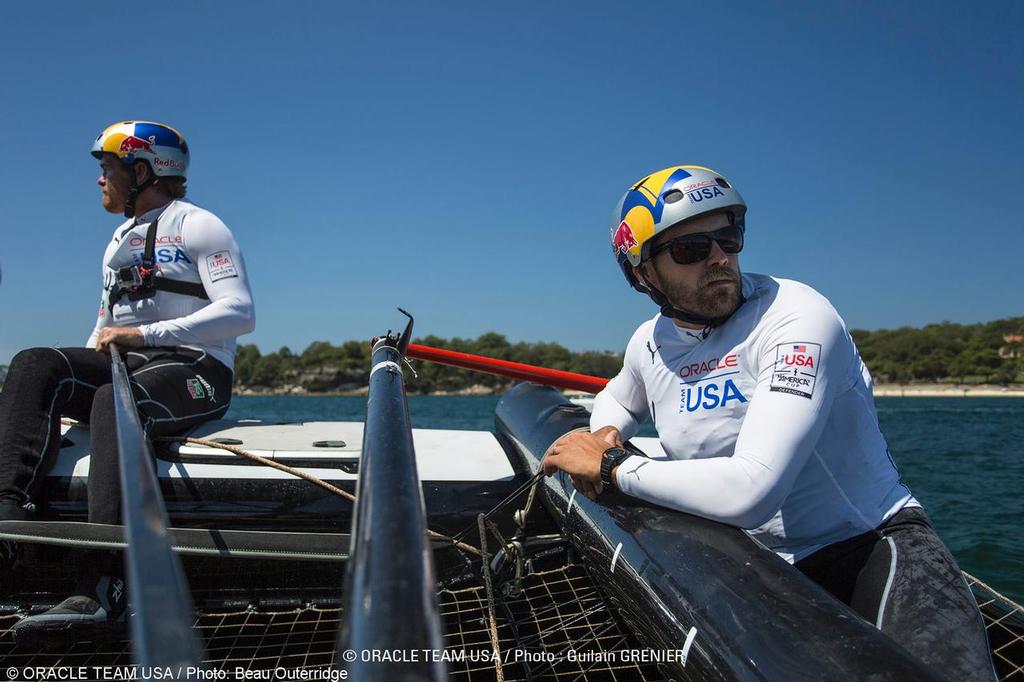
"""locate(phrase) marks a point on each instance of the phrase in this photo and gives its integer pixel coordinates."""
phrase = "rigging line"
(512, 624)
(532, 481)
(505, 544)
(520, 516)
(455, 540)
(303, 475)
(492, 624)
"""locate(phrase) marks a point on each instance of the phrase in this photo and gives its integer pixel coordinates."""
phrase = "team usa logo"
(709, 384)
(796, 368)
(710, 395)
(164, 256)
(699, 195)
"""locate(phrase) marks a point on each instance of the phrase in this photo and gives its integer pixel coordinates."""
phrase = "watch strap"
(611, 458)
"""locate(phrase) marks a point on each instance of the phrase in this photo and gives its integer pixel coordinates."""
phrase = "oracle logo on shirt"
(136, 240)
(698, 368)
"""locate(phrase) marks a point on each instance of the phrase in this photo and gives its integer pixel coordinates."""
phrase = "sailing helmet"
(662, 200)
(160, 145)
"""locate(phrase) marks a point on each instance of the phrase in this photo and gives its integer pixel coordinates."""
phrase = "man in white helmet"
(175, 296)
(765, 410)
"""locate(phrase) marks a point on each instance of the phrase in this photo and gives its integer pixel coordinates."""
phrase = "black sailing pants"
(902, 579)
(175, 389)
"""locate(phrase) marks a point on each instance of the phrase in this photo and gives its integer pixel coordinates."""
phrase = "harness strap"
(149, 251)
(143, 280)
(177, 286)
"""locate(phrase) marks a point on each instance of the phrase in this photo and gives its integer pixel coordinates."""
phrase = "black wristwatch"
(611, 458)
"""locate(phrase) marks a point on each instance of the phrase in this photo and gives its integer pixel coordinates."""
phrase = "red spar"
(515, 370)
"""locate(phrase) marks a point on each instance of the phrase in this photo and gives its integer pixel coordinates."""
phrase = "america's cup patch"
(796, 368)
(221, 265)
(195, 388)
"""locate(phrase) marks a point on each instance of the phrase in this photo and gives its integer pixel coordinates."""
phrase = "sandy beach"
(948, 391)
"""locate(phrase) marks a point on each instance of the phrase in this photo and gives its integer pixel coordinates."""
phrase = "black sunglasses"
(693, 248)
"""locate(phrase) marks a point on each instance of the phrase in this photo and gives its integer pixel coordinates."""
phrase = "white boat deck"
(441, 454)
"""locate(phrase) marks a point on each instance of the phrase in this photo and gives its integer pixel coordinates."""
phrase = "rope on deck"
(303, 475)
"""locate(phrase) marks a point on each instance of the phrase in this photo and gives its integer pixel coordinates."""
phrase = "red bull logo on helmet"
(168, 163)
(132, 144)
(623, 239)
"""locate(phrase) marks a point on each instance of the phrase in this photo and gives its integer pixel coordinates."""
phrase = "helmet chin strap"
(135, 189)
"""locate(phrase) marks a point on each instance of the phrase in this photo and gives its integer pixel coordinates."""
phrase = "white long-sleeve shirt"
(769, 423)
(192, 245)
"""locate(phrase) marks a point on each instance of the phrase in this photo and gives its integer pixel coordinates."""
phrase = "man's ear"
(643, 274)
(142, 171)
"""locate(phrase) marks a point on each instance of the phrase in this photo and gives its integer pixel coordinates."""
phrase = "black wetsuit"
(901, 578)
(174, 388)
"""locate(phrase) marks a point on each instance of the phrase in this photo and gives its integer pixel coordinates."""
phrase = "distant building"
(1012, 349)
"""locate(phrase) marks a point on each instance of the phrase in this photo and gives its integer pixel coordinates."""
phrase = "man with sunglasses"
(765, 412)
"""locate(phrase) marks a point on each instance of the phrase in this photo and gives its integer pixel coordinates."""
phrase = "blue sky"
(462, 159)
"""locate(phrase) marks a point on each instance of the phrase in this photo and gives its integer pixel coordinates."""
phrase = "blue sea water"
(963, 458)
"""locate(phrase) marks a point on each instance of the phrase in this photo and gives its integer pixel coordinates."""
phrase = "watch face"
(616, 454)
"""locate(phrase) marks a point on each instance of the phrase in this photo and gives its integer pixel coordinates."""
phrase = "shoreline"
(948, 391)
(880, 391)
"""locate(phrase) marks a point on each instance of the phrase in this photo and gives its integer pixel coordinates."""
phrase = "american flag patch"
(796, 368)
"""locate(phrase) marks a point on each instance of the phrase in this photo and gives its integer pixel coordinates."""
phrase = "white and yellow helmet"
(661, 200)
(160, 145)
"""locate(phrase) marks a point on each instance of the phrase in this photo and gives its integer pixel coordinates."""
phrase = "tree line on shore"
(324, 367)
(990, 352)
(943, 353)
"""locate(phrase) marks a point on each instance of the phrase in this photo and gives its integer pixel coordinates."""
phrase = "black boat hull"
(727, 607)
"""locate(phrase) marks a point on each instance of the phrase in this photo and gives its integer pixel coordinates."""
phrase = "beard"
(112, 202)
(712, 299)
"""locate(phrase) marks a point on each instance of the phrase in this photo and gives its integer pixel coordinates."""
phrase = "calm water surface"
(963, 458)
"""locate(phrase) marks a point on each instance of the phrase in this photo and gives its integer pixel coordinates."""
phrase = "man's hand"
(579, 455)
(124, 337)
(610, 435)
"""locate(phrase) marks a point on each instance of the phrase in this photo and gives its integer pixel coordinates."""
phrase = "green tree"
(269, 370)
(246, 358)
